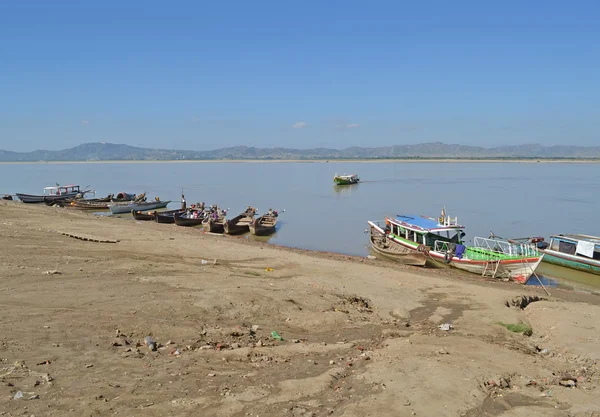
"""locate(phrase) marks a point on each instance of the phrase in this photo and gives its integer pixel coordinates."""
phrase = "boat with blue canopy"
(423, 240)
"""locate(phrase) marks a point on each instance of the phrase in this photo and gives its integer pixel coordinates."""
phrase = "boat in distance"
(346, 179)
(116, 208)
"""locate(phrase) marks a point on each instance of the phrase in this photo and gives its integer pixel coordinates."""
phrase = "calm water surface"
(510, 199)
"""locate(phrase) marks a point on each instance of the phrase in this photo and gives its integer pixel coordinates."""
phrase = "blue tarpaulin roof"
(424, 223)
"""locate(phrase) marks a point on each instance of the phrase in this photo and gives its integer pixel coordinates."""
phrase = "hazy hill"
(102, 151)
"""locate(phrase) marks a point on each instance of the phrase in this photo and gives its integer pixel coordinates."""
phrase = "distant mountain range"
(102, 151)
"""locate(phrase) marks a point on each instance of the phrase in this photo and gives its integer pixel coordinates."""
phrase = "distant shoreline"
(323, 161)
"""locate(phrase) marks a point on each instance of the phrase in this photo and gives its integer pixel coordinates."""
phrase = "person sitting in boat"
(157, 198)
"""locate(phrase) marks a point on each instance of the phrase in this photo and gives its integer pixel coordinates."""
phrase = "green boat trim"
(346, 179)
(550, 258)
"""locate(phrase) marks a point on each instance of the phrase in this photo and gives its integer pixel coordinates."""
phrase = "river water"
(510, 199)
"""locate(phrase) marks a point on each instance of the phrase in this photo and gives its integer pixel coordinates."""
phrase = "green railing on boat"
(490, 249)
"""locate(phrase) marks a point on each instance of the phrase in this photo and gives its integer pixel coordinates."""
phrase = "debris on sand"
(445, 327)
(523, 301)
(53, 272)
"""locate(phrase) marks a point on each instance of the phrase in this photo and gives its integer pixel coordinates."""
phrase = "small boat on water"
(166, 217)
(120, 208)
(189, 218)
(214, 220)
(346, 179)
(265, 224)
(241, 223)
(574, 251)
(440, 242)
(55, 193)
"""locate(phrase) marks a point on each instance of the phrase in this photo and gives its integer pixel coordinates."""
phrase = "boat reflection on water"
(567, 278)
(262, 239)
(345, 190)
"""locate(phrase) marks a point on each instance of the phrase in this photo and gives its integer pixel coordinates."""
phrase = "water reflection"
(558, 276)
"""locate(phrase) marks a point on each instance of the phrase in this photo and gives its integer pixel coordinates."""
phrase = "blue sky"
(203, 75)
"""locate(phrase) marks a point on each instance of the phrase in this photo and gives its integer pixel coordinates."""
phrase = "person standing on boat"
(183, 202)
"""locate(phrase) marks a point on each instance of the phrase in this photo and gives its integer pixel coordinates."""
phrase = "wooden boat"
(388, 248)
(441, 241)
(120, 208)
(59, 192)
(7, 197)
(214, 220)
(346, 179)
(103, 203)
(167, 217)
(142, 216)
(574, 251)
(265, 224)
(189, 218)
(241, 223)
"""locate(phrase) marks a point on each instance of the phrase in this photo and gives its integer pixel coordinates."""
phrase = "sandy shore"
(361, 337)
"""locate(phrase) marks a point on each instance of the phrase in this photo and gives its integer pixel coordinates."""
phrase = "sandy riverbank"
(361, 337)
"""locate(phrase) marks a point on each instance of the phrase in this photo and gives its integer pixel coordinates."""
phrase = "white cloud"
(85, 122)
(352, 125)
(299, 125)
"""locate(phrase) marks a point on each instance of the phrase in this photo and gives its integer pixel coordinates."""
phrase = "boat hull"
(165, 217)
(264, 225)
(578, 263)
(36, 199)
(126, 208)
(519, 270)
(187, 222)
(212, 226)
(387, 247)
(141, 216)
(341, 181)
(260, 230)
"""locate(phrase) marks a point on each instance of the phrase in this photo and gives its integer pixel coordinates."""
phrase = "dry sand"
(361, 336)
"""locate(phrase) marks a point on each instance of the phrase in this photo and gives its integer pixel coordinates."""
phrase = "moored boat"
(120, 208)
(55, 193)
(265, 224)
(241, 223)
(441, 241)
(575, 251)
(142, 215)
(166, 217)
(345, 179)
(214, 220)
(387, 247)
(189, 218)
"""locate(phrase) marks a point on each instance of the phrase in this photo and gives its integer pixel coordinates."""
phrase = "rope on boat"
(89, 239)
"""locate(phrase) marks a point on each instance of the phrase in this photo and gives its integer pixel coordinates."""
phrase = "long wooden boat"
(345, 179)
(57, 193)
(214, 220)
(166, 217)
(387, 247)
(119, 208)
(142, 216)
(441, 240)
(241, 223)
(575, 251)
(189, 218)
(265, 224)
